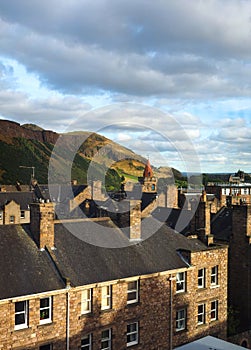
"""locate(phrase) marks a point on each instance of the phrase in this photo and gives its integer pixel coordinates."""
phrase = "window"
(21, 314)
(106, 339)
(45, 310)
(214, 276)
(201, 278)
(86, 302)
(132, 334)
(201, 314)
(180, 319)
(180, 282)
(106, 302)
(132, 292)
(214, 310)
(45, 347)
(22, 214)
(12, 219)
(86, 342)
(1, 215)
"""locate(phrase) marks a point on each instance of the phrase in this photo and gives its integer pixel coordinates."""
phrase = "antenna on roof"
(29, 167)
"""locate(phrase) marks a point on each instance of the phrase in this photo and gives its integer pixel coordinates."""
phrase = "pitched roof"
(22, 198)
(24, 268)
(148, 172)
(84, 263)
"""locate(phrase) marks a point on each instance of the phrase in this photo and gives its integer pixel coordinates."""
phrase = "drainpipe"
(68, 286)
(172, 278)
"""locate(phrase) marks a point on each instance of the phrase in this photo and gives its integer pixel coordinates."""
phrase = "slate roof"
(221, 225)
(24, 269)
(84, 263)
(22, 198)
(60, 193)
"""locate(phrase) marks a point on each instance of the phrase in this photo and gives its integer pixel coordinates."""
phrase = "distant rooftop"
(209, 343)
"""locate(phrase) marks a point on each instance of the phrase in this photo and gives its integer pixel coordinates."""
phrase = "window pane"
(20, 306)
(20, 319)
(44, 314)
(132, 285)
(132, 327)
(44, 302)
(105, 334)
(131, 338)
(132, 296)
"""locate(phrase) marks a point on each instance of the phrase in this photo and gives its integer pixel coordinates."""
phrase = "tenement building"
(90, 284)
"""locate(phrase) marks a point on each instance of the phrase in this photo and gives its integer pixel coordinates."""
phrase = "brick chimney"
(135, 220)
(42, 224)
(201, 222)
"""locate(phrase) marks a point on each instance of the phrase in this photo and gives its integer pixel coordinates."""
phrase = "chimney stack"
(201, 222)
(42, 224)
(135, 220)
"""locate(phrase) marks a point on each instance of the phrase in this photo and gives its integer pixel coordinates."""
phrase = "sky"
(170, 80)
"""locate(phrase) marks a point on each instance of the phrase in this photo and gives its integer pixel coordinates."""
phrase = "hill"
(30, 146)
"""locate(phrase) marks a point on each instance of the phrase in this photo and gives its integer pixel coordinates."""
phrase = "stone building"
(230, 193)
(59, 290)
(14, 207)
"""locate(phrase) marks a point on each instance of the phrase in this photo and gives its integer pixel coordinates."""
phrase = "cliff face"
(10, 130)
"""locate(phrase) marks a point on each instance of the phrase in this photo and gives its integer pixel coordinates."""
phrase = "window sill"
(21, 328)
(130, 345)
(214, 286)
(213, 321)
(133, 304)
(178, 331)
(180, 292)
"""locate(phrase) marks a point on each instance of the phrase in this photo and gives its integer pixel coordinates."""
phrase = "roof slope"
(84, 263)
(22, 198)
(208, 343)
(24, 268)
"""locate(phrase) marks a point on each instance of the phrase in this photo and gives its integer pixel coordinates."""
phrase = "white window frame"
(22, 214)
(12, 219)
(106, 297)
(201, 314)
(202, 278)
(181, 319)
(133, 333)
(133, 288)
(181, 282)
(1, 215)
(106, 341)
(215, 276)
(87, 346)
(86, 301)
(45, 309)
(214, 309)
(24, 312)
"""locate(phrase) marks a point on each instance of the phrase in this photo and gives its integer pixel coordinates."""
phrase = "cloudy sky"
(169, 79)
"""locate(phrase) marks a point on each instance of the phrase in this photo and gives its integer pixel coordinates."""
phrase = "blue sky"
(168, 80)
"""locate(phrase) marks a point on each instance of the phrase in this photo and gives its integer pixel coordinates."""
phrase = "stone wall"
(155, 311)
